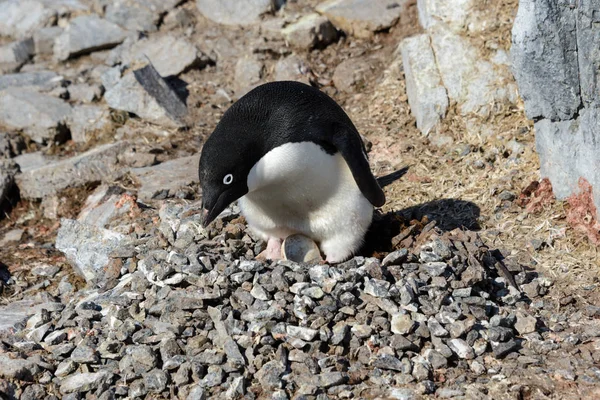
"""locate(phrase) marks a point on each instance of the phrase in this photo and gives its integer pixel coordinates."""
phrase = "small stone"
(84, 355)
(248, 72)
(500, 334)
(13, 55)
(421, 369)
(395, 258)
(65, 368)
(435, 328)
(165, 179)
(258, 292)
(85, 382)
(214, 377)
(461, 348)
(156, 380)
(232, 12)
(436, 360)
(477, 367)
(435, 268)
(15, 368)
(525, 323)
(387, 362)
(43, 39)
(362, 331)
(402, 324)
(377, 287)
(502, 349)
(269, 376)
(506, 195)
(313, 292)
(305, 334)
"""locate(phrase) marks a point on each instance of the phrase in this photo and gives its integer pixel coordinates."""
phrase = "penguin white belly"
(299, 188)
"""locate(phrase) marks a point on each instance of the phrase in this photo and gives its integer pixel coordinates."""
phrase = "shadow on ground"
(449, 214)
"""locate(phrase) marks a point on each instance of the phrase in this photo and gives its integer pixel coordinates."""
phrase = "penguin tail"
(388, 179)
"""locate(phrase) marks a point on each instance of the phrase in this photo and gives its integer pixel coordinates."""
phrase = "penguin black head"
(224, 168)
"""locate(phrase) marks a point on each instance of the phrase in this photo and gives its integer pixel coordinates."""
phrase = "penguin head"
(225, 163)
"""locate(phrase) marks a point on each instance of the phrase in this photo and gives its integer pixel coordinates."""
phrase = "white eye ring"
(228, 179)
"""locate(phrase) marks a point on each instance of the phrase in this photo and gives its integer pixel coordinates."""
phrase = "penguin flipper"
(348, 142)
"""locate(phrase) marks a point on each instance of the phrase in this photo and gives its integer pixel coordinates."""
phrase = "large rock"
(556, 62)
(145, 94)
(569, 150)
(41, 117)
(361, 18)
(21, 18)
(94, 165)
(87, 247)
(38, 80)
(426, 94)
(84, 382)
(545, 59)
(474, 83)
(164, 180)
(312, 30)
(234, 12)
(132, 15)
(86, 120)
(17, 368)
(43, 40)
(86, 34)
(456, 14)
(13, 55)
(170, 55)
(102, 206)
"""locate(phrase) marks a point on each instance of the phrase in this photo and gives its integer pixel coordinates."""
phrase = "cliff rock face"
(556, 62)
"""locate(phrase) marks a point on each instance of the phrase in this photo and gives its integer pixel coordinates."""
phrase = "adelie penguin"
(297, 164)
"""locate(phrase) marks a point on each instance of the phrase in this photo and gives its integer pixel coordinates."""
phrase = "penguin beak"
(212, 205)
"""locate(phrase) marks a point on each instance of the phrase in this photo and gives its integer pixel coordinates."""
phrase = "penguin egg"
(228, 179)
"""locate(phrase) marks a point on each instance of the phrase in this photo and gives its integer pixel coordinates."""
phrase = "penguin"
(296, 164)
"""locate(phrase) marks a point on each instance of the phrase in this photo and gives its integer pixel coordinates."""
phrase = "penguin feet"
(273, 250)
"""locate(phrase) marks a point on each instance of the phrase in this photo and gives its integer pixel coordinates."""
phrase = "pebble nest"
(190, 314)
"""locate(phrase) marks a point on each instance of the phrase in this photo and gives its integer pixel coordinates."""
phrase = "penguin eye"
(228, 179)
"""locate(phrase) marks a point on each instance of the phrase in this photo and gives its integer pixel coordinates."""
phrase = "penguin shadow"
(448, 214)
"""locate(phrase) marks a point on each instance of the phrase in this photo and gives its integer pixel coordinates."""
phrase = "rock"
(457, 15)
(85, 354)
(562, 146)
(84, 93)
(362, 18)
(16, 368)
(402, 324)
(502, 349)
(156, 380)
(269, 376)
(426, 94)
(525, 323)
(84, 382)
(21, 18)
(44, 39)
(87, 120)
(149, 96)
(469, 80)
(38, 80)
(14, 235)
(232, 12)
(170, 55)
(86, 34)
(42, 117)
(102, 206)
(88, 247)
(386, 361)
(395, 258)
(132, 15)
(548, 80)
(291, 68)
(92, 166)
(311, 30)
(13, 55)
(461, 348)
(350, 75)
(165, 179)
(305, 334)
(248, 72)
(299, 248)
